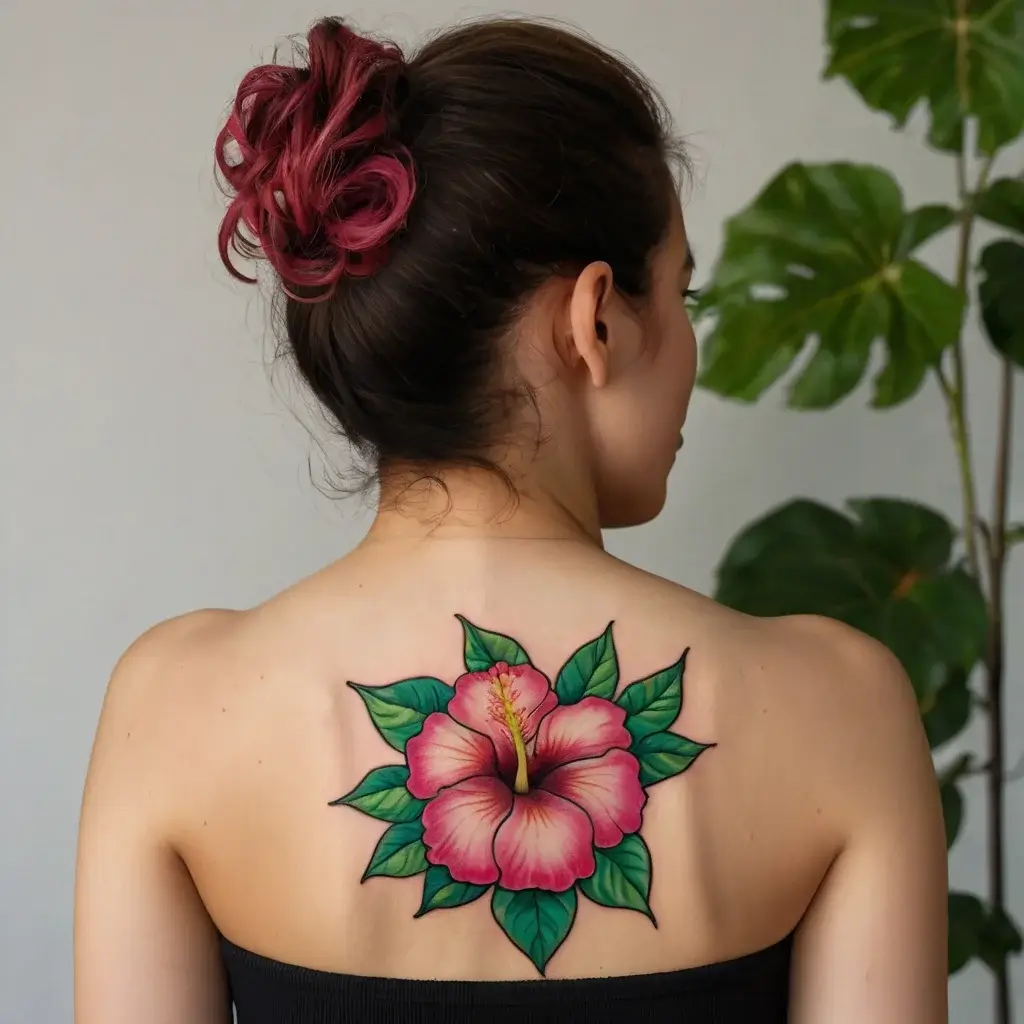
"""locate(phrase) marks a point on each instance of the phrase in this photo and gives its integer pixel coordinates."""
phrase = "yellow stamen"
(501, 690)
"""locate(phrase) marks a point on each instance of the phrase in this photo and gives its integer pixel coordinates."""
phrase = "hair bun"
(318, 187)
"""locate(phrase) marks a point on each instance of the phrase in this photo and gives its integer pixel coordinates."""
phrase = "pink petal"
(575, 731)
(459, 828)
(608, 789)
(545, 843)
(479, 703)
(444, 753)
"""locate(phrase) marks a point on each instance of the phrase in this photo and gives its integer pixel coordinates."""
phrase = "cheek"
(670, 374)
(682, 354)
(639, 426)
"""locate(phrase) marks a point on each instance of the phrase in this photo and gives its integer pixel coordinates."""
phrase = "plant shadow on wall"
(825, 256)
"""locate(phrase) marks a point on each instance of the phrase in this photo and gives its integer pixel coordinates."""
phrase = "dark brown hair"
(410, 207)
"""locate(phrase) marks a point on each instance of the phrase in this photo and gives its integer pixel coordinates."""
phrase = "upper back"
(264, 719)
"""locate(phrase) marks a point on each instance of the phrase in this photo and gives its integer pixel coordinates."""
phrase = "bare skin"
(225, 734)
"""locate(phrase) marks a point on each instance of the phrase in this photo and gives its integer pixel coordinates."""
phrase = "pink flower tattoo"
(524, 789)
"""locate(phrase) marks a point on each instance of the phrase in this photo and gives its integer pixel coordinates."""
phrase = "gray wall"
(148, 467)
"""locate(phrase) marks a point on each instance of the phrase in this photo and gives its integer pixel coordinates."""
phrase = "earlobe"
(587, 308)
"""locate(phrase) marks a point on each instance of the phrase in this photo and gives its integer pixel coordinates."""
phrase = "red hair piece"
(318, 187)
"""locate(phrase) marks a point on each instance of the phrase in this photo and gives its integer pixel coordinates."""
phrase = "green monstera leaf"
(952, 796)
(1001, 289)
(886, 570)
(1001, 292)
(976, 930)
(824, 254)
(1002, 203)
(1000, 938)
(946, 711)
(966, 920)
(898, 53)
(952, 811)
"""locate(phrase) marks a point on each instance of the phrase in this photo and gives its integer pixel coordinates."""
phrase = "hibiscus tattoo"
(524, 790)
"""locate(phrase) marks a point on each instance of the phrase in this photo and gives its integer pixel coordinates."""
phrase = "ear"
(588, 307)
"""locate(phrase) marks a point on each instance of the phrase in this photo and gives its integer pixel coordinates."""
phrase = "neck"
(450, 503)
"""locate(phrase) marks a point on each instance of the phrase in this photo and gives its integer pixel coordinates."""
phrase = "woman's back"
(478, 749)
(247, 731)
(738, 843)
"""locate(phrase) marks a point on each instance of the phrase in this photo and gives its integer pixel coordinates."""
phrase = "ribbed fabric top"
(753, 989)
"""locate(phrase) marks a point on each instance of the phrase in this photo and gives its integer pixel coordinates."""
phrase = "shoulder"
(167, 656)
(842, 677)
(812, 675)
(190, 683)
(826, 659)
(176, 636)
(854, 714)
(825, 664)
(153, 696)
(843, 647)
(851, 670)
(832, 707)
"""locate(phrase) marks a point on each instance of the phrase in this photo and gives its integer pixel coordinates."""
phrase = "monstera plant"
(821, 269)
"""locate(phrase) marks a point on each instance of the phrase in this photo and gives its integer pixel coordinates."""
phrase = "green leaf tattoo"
(664, 754)
(448, 801)
(382, 794)
(592, 671)
(442, 892)
(536, 921)
(400, 852)
(654, 703)
(399, 710)
(485, 649)
(622, 877)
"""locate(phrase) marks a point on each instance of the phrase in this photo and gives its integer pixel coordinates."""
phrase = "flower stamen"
(504, 709)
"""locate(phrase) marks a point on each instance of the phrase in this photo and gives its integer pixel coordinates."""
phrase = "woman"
(478, 749)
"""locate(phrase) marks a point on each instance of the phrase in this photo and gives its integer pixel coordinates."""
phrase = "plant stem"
(958, 427)
(994, 682)
(955, 391)
(996, 540)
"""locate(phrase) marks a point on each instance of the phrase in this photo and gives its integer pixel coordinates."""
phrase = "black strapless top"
(753, 989)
